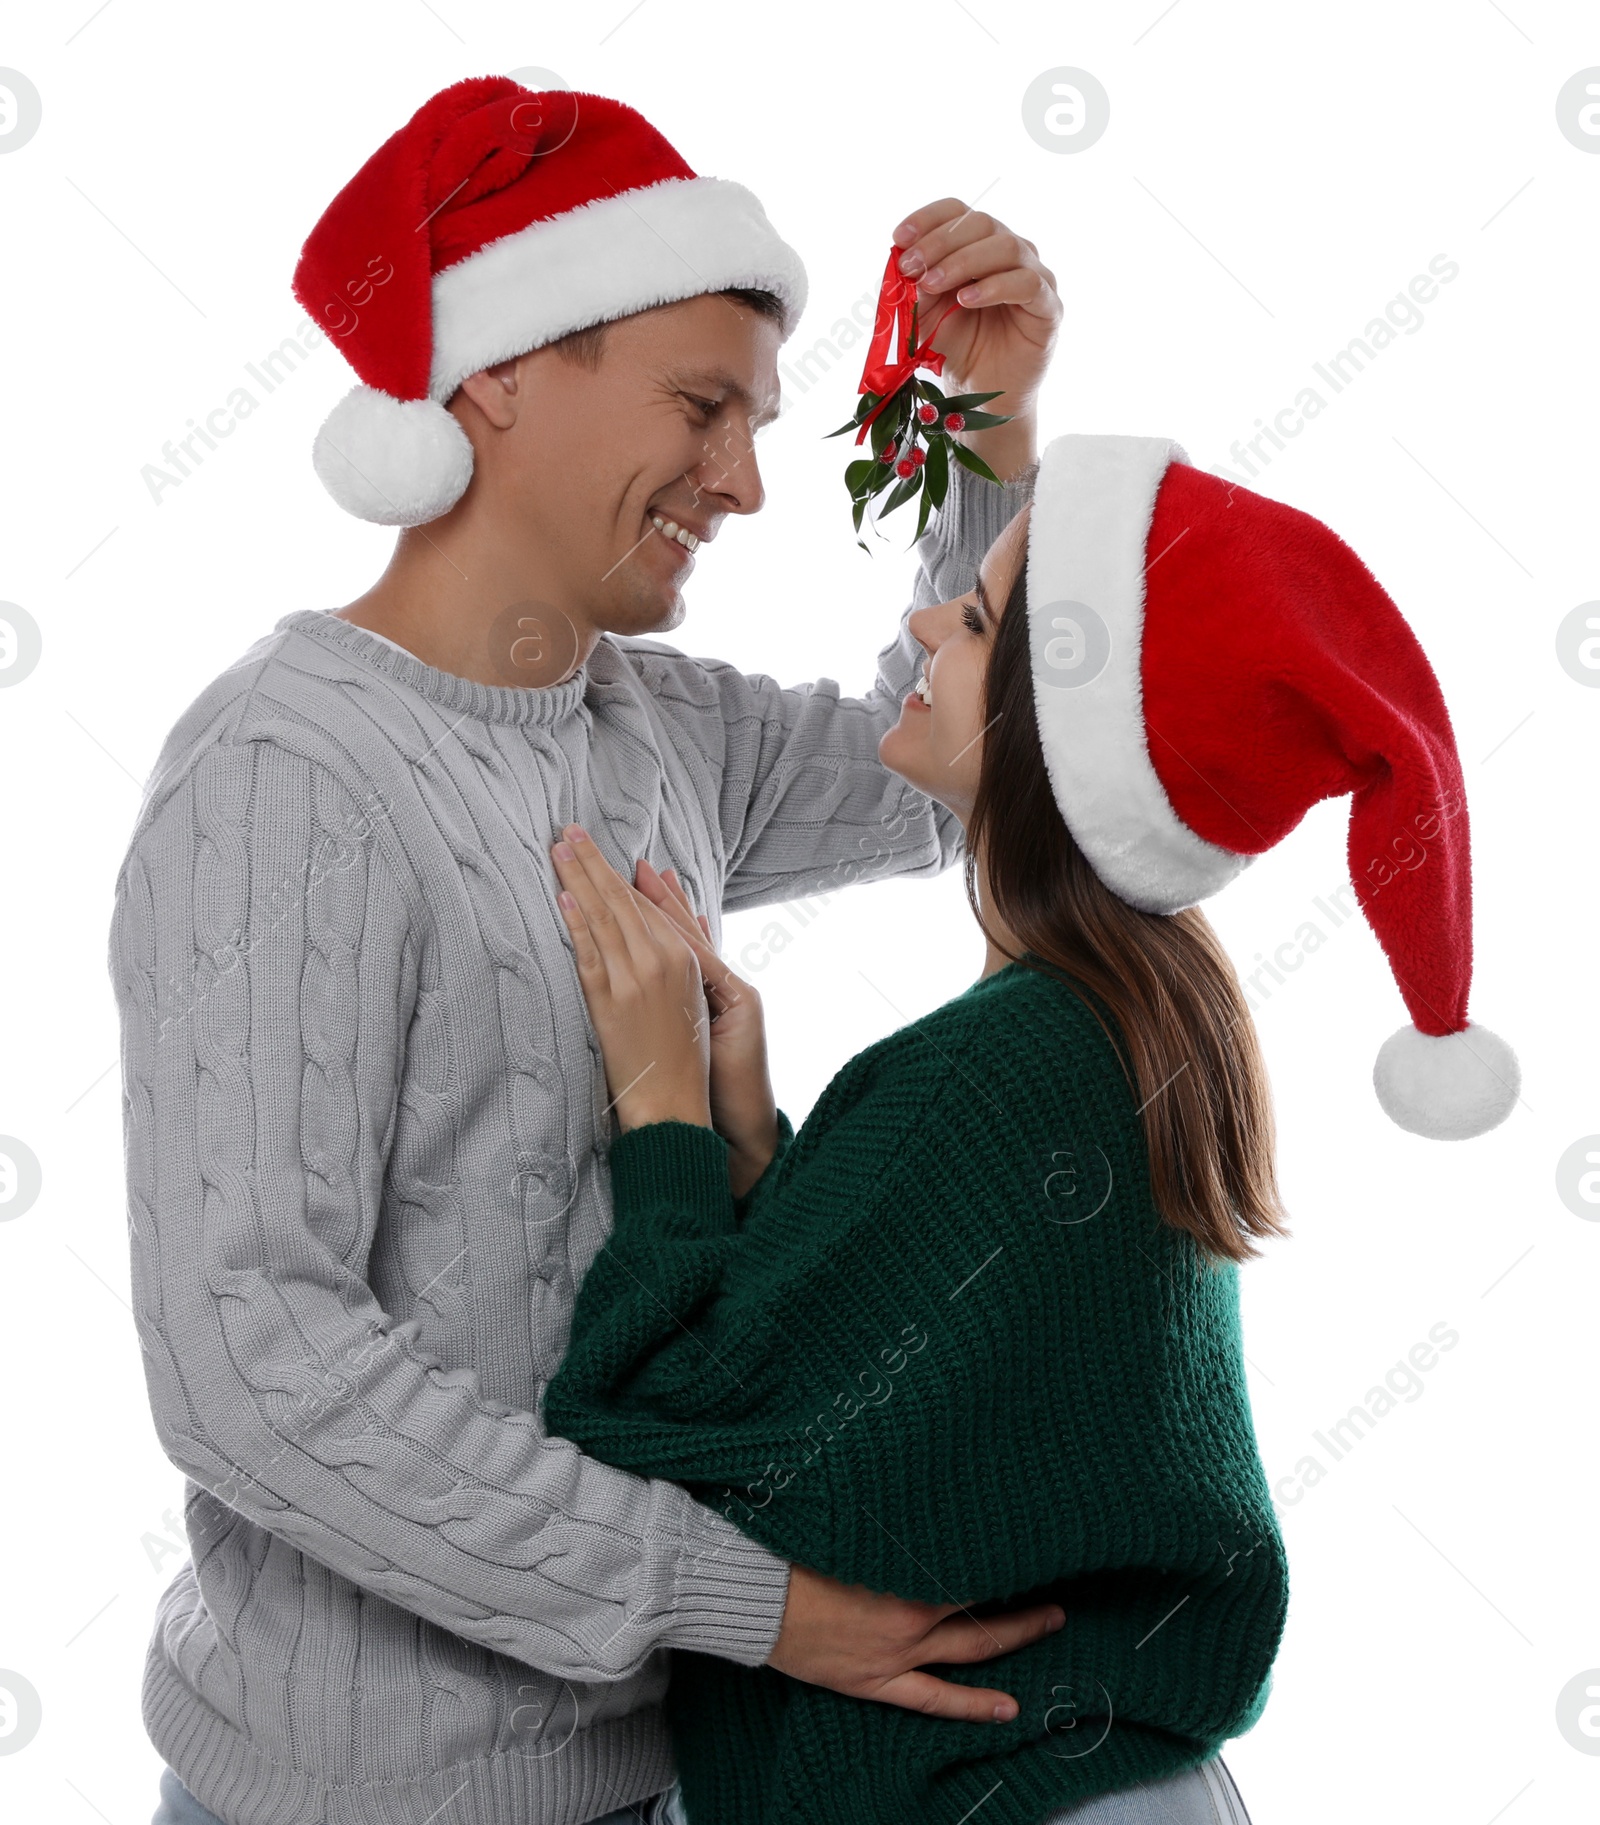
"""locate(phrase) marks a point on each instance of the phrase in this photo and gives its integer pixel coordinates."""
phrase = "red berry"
(953, 421)
(905, 466)
(927, 413)
(887, 454)
(919, 457)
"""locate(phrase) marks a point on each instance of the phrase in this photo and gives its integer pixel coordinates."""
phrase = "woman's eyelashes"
(971, 618)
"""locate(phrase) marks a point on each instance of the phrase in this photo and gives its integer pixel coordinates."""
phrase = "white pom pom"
(396, 462)
(1448, 1088)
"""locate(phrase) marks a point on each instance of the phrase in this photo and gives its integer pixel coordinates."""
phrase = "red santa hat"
(1207, 665)
(496, 220)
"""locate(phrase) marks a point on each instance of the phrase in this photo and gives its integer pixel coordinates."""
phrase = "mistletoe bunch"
(913, 443)
(911, 423)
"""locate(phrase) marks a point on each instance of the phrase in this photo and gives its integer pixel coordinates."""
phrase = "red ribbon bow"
(897, 297)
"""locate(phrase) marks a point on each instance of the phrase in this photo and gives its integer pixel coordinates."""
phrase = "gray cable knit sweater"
(365, 1137)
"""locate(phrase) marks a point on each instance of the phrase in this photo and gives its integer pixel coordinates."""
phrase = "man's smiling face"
(661, 430)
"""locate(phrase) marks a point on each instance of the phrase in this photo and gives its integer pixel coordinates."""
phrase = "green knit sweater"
(946, 1347)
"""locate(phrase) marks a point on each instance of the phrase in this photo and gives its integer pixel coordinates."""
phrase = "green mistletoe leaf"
(863, 406)
(938, 467)
(906, 490)
(884, 428)
(975, 463)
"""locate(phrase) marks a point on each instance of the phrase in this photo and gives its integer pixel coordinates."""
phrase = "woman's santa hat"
(496, 220)
(1207, 665)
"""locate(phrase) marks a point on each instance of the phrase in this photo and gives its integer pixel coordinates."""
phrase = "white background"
(1271, 178)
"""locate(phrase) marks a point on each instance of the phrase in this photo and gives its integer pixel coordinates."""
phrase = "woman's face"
(936, 744)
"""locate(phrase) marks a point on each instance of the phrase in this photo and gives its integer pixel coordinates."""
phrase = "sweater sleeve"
(647, 1377)
(742, 1203)
(684, 1360)
(804, 803)
(263, 961)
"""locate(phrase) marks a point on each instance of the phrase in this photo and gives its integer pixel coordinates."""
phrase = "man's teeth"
(674, 531)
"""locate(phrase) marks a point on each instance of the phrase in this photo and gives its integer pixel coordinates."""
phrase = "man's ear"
(496, 392)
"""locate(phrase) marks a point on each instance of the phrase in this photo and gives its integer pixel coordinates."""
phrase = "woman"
(971, 1335)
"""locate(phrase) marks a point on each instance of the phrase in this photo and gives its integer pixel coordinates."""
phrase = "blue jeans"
(1199, 1796)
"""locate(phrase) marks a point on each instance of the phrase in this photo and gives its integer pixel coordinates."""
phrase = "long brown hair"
(1182, 1029)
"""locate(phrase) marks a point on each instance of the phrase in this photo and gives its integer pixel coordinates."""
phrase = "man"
(366, 1122)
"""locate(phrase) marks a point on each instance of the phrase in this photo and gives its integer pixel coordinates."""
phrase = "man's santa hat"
(496, 220)
(1207, 665)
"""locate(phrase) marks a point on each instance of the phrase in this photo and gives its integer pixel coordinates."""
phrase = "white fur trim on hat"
(656, 244)
(1447, 1087)
(1092, 504)
(396, 462)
